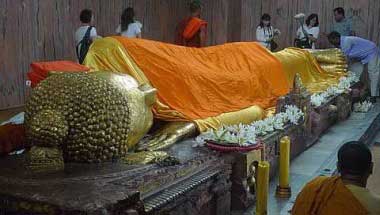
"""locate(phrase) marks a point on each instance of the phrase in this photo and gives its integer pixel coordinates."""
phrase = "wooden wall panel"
(40, 30)
(216, 13)
(43, 30)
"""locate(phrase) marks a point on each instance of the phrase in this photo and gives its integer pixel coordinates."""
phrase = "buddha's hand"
(167, 136)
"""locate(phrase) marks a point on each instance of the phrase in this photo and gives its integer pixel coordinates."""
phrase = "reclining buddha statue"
(97, 116)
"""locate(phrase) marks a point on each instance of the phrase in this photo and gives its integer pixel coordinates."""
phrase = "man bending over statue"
(192, 31)
(360, 52)
(344, 194)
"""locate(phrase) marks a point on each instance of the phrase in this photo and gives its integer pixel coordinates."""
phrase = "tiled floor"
(312, 162)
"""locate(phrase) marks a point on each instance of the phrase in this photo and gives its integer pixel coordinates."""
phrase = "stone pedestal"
(201, 184)
(242, 190)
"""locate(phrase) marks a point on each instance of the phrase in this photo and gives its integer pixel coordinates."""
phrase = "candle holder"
(283, 192)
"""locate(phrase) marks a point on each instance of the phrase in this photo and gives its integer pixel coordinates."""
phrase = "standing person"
(128, 26)
(360, 52)
(308, 33)
(85, 34)
(265, 33)
(192, 31)
(343, 194)
(342, 25)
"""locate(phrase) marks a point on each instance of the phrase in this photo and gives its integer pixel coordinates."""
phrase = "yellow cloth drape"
(245, 116)
(314, 78)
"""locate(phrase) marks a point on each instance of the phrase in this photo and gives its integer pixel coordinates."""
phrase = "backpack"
(84, 45)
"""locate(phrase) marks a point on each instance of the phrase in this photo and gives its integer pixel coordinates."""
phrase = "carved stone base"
(242, 191)
(200, 183)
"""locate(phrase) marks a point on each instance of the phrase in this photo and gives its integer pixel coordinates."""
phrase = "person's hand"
(276, 32)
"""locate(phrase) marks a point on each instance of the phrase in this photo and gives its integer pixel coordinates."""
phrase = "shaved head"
(354, 158)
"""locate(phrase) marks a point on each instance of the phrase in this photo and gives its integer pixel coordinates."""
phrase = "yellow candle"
(262, 188)
(284, 161)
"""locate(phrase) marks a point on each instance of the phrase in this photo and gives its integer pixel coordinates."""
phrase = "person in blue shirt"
(360, 52)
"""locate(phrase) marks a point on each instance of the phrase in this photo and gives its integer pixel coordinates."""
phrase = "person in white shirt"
(128, 26)
(310, 30)
(87, 19)
(82, 44)
(265, 32)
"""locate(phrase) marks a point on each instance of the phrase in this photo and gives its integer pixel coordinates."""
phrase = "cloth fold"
(206, 82)
(314, 78)
(225, 84)
(327, 196)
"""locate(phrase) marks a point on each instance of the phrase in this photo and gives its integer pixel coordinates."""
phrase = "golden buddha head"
(92, 117)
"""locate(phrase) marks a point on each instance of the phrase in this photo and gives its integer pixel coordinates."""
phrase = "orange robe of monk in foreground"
(327, 196)
(189, 32)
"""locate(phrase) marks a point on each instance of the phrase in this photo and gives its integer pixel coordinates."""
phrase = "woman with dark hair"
(128, 26)
(309, 31)
(265, 32)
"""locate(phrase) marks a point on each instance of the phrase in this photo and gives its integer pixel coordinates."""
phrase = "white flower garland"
(318, 99)
(363, 107)
(245, 135)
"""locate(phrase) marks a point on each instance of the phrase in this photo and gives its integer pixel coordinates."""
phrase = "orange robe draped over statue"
(213, 86)
(198, 83)
(327, 196)
(188, 32)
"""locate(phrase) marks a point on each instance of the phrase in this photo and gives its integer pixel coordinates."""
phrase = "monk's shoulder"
(316, 182)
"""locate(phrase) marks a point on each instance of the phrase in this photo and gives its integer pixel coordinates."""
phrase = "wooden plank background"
(40, 30)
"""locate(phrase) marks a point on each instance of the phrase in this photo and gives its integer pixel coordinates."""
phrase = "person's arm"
(346, 48)
(137, 30)
(203, 36)
(118, 30)
(93, 34)
(305, 34)
(299, 33)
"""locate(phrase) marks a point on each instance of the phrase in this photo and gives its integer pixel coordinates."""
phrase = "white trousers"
(373, 73)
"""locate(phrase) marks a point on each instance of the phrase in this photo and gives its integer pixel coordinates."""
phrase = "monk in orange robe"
(192, 31)
(344, 194)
